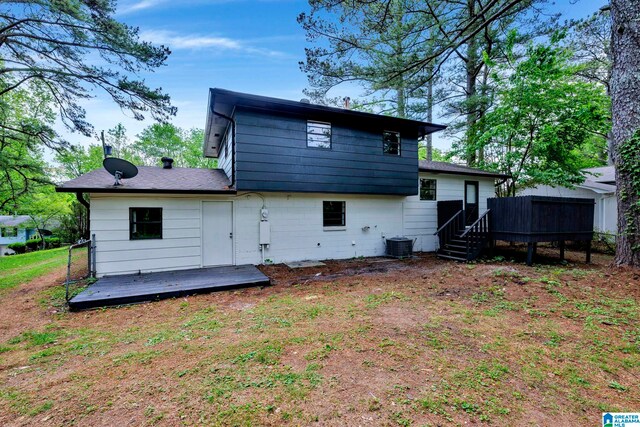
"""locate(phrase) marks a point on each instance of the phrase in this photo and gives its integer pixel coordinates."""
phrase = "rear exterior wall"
(295, 219)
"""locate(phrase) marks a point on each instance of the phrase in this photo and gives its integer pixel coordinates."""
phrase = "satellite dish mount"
(120, 169)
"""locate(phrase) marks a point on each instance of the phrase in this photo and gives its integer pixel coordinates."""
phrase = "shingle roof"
(602, 175)
(151, 179)
(451, 168)
(13, 221)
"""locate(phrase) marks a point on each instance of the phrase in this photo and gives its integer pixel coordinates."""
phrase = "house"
(296, 181)
(15, 229)
(599, 185)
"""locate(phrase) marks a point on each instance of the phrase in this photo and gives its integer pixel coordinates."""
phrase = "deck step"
(456, 258)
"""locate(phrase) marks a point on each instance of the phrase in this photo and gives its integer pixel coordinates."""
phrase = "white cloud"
(140, 5)
(196, 41)
(175, 41)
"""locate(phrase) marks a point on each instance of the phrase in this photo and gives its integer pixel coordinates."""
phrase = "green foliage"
(18, 247)
(24, 118)
(375, 45)
(68, 49)
(628, 164)
(153, 143)
(167, 140)
(33, 244)
(544, 116)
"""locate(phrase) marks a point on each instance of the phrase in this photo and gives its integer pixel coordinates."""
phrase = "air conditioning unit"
(399, 247)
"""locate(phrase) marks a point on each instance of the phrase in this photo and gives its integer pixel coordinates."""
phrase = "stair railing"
(476, 235)
(449, 229)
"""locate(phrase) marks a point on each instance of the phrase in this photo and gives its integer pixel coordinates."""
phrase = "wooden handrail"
(472, 226)
(447, 223)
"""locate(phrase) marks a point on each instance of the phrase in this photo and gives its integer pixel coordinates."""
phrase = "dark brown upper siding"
(272, 155)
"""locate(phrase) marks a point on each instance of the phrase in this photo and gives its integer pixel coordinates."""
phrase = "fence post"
(89, 258)
(93, 255)
(66, 283)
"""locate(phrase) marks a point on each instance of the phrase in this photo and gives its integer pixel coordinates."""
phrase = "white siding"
(179, 247)
(297, 232)
(421, 216)
(295, 221)
(606, 208)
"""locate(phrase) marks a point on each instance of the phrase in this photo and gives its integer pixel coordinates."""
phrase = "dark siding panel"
(272, 155)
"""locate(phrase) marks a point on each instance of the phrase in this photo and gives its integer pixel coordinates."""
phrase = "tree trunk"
(625, 99)
(470, 93)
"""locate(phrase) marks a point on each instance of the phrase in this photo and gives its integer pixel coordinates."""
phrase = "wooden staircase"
(461, 243)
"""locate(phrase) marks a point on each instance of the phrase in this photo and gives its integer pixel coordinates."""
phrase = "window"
(9, 232)
(391, 143)
(427, 189)
(318, 135)
(145, 223)
(334, 214)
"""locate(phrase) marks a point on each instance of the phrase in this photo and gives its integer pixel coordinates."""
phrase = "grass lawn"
(422, 342)
(17, 269)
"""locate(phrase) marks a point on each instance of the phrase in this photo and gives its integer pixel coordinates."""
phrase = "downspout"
(84, 203)
(233, 144)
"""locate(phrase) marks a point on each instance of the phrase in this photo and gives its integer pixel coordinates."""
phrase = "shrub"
(34, 244)
(53, 242)
(18, 247)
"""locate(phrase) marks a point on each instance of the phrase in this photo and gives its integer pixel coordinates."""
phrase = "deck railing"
(477, 235)
(449, 229)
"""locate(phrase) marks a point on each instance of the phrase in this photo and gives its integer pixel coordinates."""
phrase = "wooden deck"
(135, 288)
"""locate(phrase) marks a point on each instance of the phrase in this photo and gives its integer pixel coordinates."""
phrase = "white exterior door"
(217, 233)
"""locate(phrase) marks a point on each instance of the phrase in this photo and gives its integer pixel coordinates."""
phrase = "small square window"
(145, 223)
(9, 232)
(318, 135)
(427, 189)
(391, 143)
(334, 214)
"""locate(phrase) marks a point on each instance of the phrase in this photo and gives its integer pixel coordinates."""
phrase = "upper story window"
(145, 223)
(391, 143)
(318, 134)
(334, 214)
(9, 232)
(428, 189)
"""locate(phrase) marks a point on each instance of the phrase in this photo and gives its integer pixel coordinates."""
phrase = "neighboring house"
(600, 185)
(14, 229)
(297, 181)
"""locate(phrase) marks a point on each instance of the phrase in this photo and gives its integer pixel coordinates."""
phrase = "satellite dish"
(120, 169)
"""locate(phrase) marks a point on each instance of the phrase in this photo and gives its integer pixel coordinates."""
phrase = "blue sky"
(249, 46)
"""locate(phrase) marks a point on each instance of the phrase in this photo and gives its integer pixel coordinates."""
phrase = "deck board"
(135, 288)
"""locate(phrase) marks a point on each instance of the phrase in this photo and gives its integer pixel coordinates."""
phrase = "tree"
(590, 40)
(45, 207)
(56, 46)
(625, 100)
(379, 39)
(544, 116)
(76, 160)
(397, 48)
(167, 140)
(24, 117)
